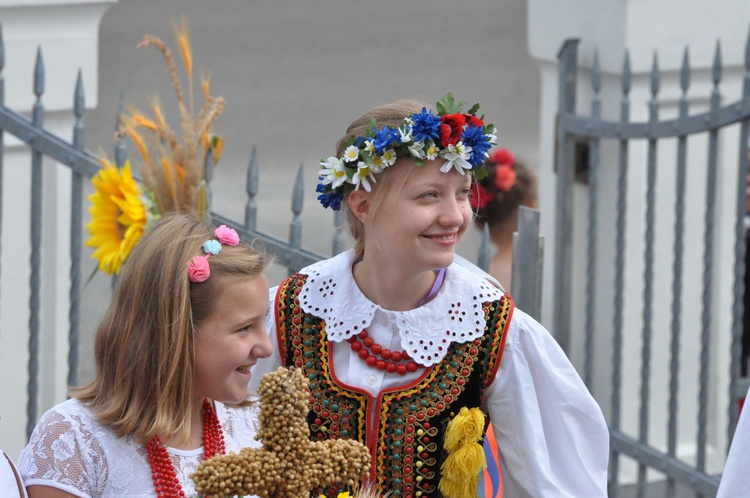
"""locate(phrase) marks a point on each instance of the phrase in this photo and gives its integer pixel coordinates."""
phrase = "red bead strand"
(162, 469)
(390, 361)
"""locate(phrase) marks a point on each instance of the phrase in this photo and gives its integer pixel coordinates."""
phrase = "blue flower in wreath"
(384, 138)
(426, 126)
(475, 138)
(332, 200)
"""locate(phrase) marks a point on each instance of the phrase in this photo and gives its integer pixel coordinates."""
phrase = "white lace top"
(69, 450)
(552, 437)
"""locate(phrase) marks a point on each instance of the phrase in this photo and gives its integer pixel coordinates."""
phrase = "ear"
(359, 204)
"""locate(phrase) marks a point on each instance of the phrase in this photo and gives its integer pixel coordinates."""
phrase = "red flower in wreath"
(479, 197)
(472, 120)
(451, 129)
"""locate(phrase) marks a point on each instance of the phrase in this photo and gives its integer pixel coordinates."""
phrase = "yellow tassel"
(463, 466)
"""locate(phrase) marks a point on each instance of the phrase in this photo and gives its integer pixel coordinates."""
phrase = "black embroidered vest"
(406, 442)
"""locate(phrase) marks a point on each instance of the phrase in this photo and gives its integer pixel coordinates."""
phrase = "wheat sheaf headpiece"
(174, 167)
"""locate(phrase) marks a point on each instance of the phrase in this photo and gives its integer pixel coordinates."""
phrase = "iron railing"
(592, 134)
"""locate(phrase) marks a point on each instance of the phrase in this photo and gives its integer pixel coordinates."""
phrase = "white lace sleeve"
(59, 454)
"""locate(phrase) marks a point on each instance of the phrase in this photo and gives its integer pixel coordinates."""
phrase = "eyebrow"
(438, 183)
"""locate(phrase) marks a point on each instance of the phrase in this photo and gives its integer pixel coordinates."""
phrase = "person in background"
(173, 357)
(401, 344)
(495, 200)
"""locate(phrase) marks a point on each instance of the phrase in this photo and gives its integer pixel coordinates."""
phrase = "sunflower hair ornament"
(460, 138)
(172, 170)
(120, 213)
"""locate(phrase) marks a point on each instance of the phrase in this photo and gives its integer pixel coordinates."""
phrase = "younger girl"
(396, 338)
(173, 357)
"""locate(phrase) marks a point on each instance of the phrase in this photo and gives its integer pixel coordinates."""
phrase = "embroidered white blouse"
(552, 438)
(69, 450)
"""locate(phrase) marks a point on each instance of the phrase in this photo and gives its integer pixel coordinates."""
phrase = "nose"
(454, 212)
(263, 348)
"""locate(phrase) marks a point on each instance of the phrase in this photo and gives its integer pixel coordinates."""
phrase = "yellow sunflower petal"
(118, 217)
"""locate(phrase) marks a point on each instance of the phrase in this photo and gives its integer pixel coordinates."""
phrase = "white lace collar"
(454, 315)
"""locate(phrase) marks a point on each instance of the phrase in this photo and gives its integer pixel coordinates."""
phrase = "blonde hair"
(393, 115)
(144, 350)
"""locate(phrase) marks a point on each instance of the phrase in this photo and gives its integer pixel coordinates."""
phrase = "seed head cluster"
(289, 464)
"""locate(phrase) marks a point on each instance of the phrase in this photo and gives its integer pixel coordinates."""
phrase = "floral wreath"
(462, 139)
(503, 162)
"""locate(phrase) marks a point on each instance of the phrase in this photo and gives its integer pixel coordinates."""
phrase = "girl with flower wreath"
(400, 341)
(173, 357)
(496, 199)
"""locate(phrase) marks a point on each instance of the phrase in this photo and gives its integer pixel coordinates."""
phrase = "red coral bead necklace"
(162, 469)
(390, 361)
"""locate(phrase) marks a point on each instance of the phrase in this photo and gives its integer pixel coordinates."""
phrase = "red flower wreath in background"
(505, 178)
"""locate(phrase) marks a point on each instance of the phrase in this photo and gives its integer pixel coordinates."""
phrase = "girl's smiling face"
(421, 216)
(231, 339)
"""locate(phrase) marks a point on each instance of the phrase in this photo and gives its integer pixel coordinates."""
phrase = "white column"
(67, 32)
(645, 28)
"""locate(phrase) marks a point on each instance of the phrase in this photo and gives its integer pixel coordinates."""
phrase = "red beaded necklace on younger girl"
(162, 469)
(390, 361)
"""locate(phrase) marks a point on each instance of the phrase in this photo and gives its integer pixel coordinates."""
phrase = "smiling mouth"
(244, 369)
(442, 237)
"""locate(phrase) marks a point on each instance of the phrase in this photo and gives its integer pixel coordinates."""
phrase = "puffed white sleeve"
(265, 365)
(735, 481)
(552, 438)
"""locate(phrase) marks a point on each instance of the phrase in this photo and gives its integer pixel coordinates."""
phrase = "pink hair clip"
(227, 236)
(198, 268)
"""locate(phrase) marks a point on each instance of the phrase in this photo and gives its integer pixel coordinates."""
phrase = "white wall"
(67, 32)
